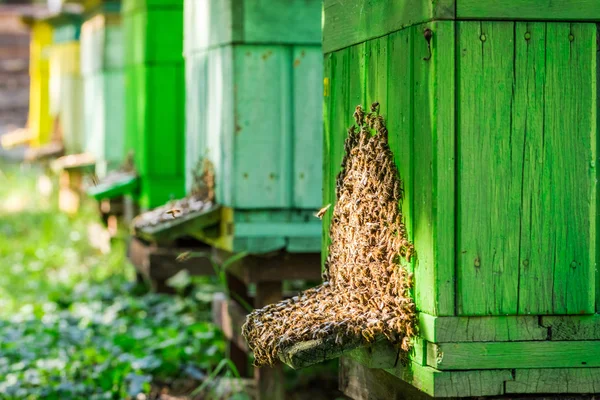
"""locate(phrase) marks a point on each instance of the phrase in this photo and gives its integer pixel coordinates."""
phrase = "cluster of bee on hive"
(201, 198)
(366, 293)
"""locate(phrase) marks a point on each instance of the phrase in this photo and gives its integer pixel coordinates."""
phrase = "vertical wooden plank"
(262, 126)
(340, 110)
(377, 74)
(444, 150)
(308, 124)
(489, 171)
(357, 75)
(400, 116)
(569, 151)
(114, 117)
(328, 179)
(535, 281)
(433, 167)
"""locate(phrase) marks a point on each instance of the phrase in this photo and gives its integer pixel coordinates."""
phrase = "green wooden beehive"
(493, 125)
(102, 68)
(253, 109)
(154, 95)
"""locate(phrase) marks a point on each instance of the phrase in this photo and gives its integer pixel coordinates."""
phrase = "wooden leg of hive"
(269, 381)
(238, 290)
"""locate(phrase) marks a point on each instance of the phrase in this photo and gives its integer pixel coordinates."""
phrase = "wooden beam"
(510, 355)
(556, 380)
(574, 327)
(348, 22)
(275, 267)
(481, 329)
(157, 264)
(538, 10)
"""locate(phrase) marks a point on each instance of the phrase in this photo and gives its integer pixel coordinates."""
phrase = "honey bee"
(174, 212)
(183, 256)
(322, 211)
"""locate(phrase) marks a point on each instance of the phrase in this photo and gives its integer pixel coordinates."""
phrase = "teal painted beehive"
(253, 109)
(154, 95)
(102, 68)
(492, 114)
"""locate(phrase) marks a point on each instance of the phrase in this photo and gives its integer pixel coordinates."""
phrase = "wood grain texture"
(560, 10)
(555, 380)
(481, 329)
(349, 22)
(585, 327)
(433, 170)
(569, 160)
(517, 167)
(307, 81)
(510, 355)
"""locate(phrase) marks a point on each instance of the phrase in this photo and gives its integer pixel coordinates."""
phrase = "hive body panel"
(493, 127)
(253, 110)
(154, 97)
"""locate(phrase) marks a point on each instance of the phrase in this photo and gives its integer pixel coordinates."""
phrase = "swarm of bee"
(201, 197)
(366, 293)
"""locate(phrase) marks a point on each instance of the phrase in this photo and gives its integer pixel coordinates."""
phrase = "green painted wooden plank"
(569, 164)
(453, 383)
(132, 5)
(155, 191)
(433, 169)
(153, 36)
(263, 125)
(307, 79)
(328, 178)
(481, 329)
(348, 22)
(510, 355)
(535, 281)
(182, 226)
(585, 327)
(555, 380)
(560, 10)
(212, 23)
(129, 184)
(400, 119)
(443, 46)
(377, 74)
(489, 176)
(431, 381)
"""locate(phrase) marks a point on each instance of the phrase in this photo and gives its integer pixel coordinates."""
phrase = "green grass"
(70, 325)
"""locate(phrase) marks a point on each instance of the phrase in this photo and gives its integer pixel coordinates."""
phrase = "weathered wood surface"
(512, 258)
(511, 355)
(585, 327)
(560, 10)
(349, 22)
(556, 380)
(392, 71)
(485, 329)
